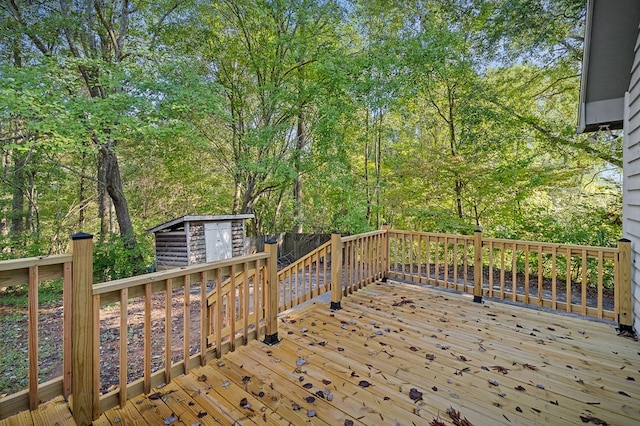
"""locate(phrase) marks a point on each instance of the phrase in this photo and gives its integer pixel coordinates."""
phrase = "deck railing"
(591, 281)
(305, 278)
(177, 319)
(33, 272)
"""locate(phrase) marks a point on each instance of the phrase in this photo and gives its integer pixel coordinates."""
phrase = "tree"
(86, 46)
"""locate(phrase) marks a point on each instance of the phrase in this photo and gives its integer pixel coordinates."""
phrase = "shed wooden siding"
(237, 237)
(197, 246)
(631, 181)
(171, 249)
(183, 241)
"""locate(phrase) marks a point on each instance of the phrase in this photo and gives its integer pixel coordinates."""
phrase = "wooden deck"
(403, 354)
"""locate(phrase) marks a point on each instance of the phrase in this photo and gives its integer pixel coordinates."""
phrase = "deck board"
(494, 363)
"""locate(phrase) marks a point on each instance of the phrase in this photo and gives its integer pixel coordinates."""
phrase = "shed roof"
(176, 223)
(610, 36)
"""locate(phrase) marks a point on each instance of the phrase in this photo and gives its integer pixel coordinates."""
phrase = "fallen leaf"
(171, 419)
(201, 414)
(430, 357)
(244, 403)
(403, 302)
(594, 420)
(520, 388)
(364, 384)
(202, 378)
(415, 394)
(623, 393)
(326, 382)
(310, 399)
(307, 386)
(456, 418)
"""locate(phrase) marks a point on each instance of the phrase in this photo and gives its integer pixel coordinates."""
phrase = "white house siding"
(631, 182)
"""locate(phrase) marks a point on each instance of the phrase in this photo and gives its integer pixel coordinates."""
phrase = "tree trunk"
(115, 190)
(17, 201)
(459, 185)
(103, 197)
(81, 193)
(297, 184)
(378, 171)
(366, 170)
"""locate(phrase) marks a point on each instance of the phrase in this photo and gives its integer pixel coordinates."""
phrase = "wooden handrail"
(116, 285)
(361, 236)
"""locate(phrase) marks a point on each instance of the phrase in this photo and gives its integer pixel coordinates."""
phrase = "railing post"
(385, 252)
(82, 329)
(273, 289)
(477, 266)
(625, 316)
(336, 270)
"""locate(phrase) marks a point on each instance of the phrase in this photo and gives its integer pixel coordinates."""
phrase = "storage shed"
(189, 240)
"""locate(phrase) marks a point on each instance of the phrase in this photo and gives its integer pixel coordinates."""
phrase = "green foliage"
(112, 260)
(440, 115)
(48, 292)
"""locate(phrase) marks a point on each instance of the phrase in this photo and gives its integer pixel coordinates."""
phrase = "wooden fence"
(291, 246)
(176, 319)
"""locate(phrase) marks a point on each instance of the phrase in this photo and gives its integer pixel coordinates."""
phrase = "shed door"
(218, 240)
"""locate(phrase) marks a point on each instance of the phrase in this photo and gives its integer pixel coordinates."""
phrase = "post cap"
(477, 230)
(336, 232)
(271, 240)
(81, 236)
(624, 240)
